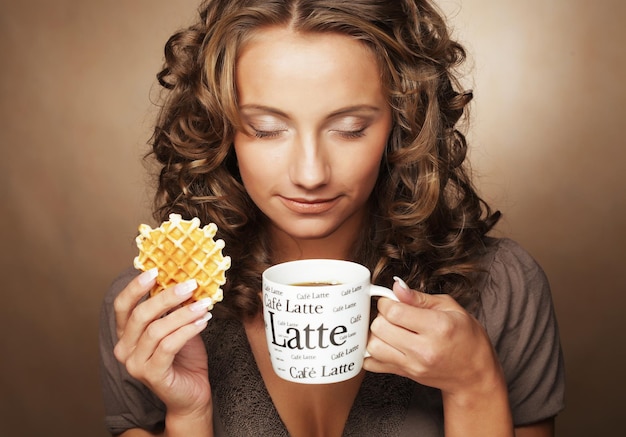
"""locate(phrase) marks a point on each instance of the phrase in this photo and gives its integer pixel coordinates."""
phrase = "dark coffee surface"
(315, 284)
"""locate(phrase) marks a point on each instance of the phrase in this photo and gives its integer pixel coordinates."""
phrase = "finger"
(165, 353)
(397, 350)
(128, 299)
(411, 297)
(415, 320)
(422, 300)
(375, 365)
(402, 290)
(156, 331)
(147, 312)
(381, 342)
(384, 358)
(395, 337)
(411, 315)
(405, 316)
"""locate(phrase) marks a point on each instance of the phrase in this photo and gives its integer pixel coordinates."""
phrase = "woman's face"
(316, 125)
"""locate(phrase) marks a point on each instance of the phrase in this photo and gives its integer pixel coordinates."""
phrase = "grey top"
(516, 310)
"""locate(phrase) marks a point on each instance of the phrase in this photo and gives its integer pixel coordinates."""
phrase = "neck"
(339, 245)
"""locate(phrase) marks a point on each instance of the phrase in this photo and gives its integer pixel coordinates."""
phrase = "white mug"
(317, 316)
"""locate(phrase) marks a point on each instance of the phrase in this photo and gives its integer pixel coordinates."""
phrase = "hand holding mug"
(434, 341)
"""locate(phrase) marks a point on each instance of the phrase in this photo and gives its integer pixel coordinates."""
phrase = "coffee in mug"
(317, 315)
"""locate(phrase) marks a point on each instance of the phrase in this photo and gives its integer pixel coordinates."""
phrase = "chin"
(310, 235)
(307, 231)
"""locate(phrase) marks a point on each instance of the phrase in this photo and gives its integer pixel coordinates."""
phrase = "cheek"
(249, 160)
(370, 176)
(247, 167)
(369, 165)
(259, 169)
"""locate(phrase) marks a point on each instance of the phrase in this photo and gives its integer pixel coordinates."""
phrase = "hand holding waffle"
(158, 339)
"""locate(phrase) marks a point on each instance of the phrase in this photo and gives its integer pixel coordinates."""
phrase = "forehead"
(278, 60)
(282, 36)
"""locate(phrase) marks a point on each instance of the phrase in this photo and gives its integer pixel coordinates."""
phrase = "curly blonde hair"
(427, 224)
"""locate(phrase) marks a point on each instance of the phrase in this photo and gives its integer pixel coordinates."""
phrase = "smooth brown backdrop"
(76, 80)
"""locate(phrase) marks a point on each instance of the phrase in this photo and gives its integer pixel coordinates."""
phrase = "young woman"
(327, 129)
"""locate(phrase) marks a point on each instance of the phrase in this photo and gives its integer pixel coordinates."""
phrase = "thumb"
(412, 297)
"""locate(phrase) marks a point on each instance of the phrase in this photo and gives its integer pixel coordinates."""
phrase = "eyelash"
(265, 134)
(353, 134)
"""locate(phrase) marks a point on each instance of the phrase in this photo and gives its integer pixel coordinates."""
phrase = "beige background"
(75, 84)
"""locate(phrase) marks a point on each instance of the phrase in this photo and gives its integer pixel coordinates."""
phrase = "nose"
(309, 164)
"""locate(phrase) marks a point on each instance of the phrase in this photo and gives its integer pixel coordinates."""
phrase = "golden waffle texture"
(180, 250)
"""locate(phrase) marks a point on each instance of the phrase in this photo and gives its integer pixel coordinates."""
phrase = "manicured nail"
(202, 304)
(146, 277)
(401, 283)
(185, 288)
(202, 320)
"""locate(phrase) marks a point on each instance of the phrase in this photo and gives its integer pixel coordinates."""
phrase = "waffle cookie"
(180, 250)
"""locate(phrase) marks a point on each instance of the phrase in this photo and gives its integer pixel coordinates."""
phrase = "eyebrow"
(337, 113)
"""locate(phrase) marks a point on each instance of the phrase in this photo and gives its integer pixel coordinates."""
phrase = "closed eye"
(352, 134)
(266, 134)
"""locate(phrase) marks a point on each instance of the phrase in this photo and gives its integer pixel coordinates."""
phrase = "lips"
(309, 206)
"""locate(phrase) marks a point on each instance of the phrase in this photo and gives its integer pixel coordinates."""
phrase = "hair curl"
(427, 223)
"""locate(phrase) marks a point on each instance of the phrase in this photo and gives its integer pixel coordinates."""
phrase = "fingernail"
(202, 304)
(202, 320)
(146, 277)
(401, 283)
(185, 288)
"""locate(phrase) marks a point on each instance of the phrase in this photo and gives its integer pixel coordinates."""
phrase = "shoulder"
(506, 262)
(510, 281)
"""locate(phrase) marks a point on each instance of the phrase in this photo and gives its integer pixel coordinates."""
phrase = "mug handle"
(377, 290)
